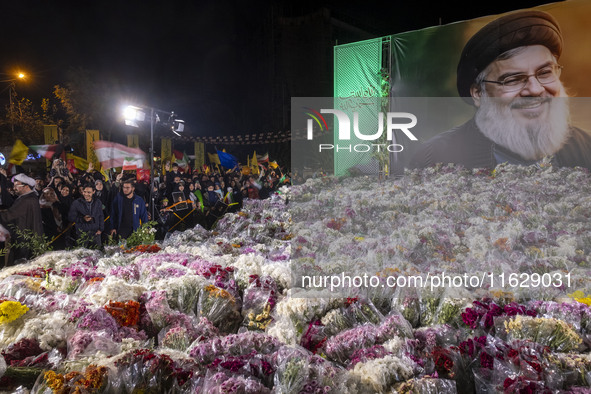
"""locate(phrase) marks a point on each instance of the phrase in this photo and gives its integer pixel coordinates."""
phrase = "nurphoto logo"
(402, 121)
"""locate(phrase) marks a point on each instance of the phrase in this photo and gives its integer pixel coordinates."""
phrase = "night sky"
(208, 61)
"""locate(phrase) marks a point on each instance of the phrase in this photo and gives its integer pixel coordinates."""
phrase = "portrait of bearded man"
(509, 71)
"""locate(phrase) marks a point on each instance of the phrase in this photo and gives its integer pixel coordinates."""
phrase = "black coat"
(81, 208)
(6, 198)
(24, 214)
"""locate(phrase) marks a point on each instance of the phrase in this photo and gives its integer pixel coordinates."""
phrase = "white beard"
(533, 139)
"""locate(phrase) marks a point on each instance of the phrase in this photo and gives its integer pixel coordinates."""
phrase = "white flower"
(113, 288)
(395, 345)
(284, 330)
(246, 265)
(50, 329)
(380, 374)
(60, 283)
(280, 272)
(567, 245)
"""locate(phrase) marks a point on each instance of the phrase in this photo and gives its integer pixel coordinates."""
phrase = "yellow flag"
(133, 141)
(199, 155)
(166, 152)
(214, 158)
(273, 164)
(91, 137)
(19, 153)
(254, 164)
(105, 174)
(79, 162)
(51, 135)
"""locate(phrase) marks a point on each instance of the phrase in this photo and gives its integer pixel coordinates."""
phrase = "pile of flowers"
(228, 310)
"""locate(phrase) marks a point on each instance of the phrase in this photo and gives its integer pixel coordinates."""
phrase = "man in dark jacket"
(87, 214)
(24, 214)
(128, 211)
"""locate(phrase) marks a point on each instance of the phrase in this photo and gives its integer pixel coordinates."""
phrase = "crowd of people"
(87, 210)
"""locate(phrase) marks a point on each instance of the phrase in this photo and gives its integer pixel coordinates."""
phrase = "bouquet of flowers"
(227, 383)
(157, 310)
(130, 272)
(341, 346)
(301, 311)
(110, 289)
(176, 337)
(522, 365)
(20, 287)
(233, 345)
(94, 379)
(380, 374)
(361, 310)
(574, 368)
(554, 333)
(96, 320)
(426, 385)
(482, 314)
(314, 337)
(293, 368)
(429, 305)
(84, 342)
(11, 310)
(144, 235)
(127, 314)
(24, 349)
(323, 376)
(251, 364)
(453, 302)
(406, 301)
(220, 308)
(258, 302)
(366, 354)
(183, 292)
(335, 321)
(146, 371)
(83, 269)
(49, 329)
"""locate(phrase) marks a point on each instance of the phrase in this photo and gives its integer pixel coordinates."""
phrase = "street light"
(11, 86)
(133, 115)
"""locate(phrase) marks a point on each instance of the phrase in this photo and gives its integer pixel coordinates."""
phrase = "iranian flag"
(264, 158)
(130, 163)
(46, 151)
(111, 155)
(181, 159)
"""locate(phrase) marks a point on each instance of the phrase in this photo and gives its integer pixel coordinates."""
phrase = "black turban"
(514, 30)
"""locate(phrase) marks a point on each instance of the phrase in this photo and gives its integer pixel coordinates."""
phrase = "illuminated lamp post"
(134, 115)
(19, 77)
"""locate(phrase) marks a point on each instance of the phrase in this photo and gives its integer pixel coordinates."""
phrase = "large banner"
(358, 78)
(91, 137)
(445, 61)
(199, 154)
(460, 60)
(51, 137)
(165, 152)
(133, 141)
